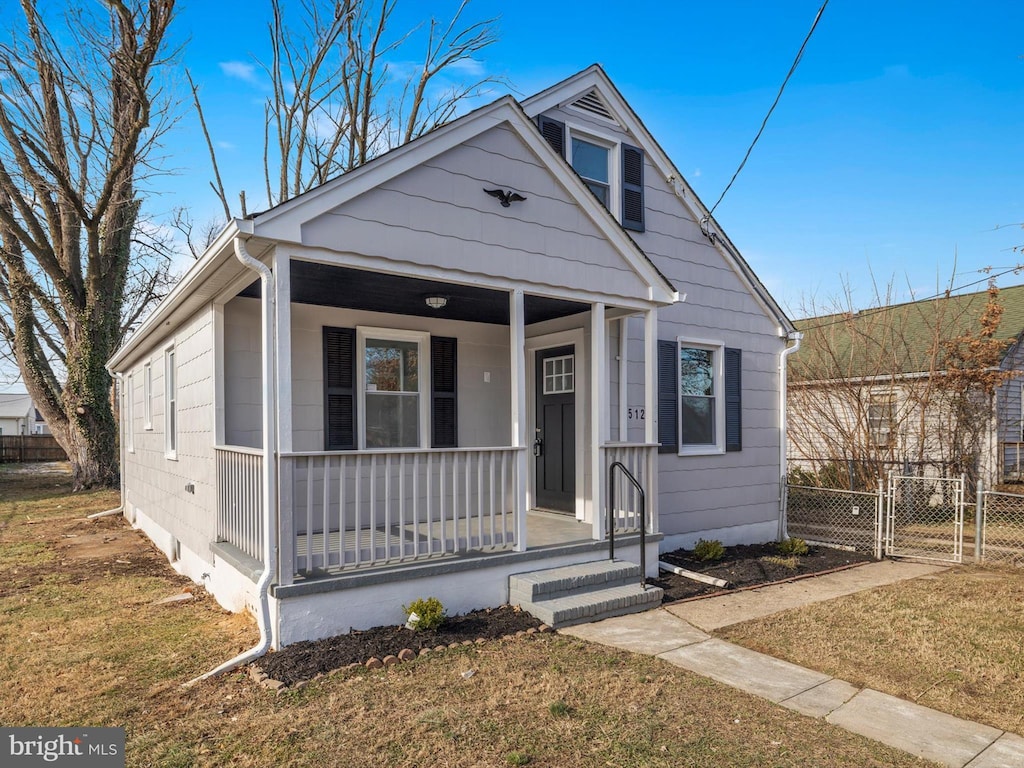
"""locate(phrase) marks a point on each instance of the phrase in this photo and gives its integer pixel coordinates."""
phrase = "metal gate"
(925, 517)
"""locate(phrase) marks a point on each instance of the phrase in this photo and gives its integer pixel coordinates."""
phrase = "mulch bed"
(743, 566)
(306, 660)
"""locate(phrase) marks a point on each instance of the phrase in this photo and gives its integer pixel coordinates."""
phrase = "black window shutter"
(733, 399)
(339, 389)
(554, 132)
(668, 401)
(632, 188)
(444, 392)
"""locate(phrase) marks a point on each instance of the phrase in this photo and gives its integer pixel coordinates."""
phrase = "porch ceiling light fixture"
(436, 302)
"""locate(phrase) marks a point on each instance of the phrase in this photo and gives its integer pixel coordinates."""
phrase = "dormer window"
(591, 163)
(613, 170)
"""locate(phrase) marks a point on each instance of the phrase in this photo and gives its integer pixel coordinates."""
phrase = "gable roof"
(897, 339)
(284, 221)
(15, 406)
(215, 271)
(593, 84)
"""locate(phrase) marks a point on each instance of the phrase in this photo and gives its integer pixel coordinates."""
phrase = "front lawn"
(87, 644)
(950, 641)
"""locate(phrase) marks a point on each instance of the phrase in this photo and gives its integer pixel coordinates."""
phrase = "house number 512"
(635, 414)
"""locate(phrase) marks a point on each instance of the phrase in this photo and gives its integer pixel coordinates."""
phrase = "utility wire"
(775, 103)
(844, 316)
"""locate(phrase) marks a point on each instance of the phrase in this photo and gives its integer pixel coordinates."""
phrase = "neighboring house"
(39, 425)
(404, 383)
(17, 415)
(871, 392)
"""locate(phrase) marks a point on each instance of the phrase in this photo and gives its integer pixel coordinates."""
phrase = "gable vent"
(593, 103)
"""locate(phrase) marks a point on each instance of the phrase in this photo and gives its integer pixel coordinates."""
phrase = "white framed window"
(591, 162)
(129, 413)
(881, 418)
(147, 396)
(394, 380)
(595, 159)
(170, 404)
(701, 402)
(559, 375)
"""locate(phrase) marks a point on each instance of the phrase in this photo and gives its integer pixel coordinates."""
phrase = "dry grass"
(85, 645)
(951, 641)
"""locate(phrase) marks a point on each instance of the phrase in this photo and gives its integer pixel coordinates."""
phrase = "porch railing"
(627, 509)
(353, 509)
(240, 498)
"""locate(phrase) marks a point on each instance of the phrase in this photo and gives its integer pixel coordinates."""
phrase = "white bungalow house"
(17, 414)
(414, 379)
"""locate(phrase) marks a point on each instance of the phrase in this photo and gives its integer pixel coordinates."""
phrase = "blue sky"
(894, 155)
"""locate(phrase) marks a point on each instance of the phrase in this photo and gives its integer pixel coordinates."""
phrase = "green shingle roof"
(897, 339)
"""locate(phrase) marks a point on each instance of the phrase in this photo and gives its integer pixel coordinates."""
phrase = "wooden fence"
(21, 449)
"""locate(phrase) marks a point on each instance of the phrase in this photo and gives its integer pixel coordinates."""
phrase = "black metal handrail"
(643, 517)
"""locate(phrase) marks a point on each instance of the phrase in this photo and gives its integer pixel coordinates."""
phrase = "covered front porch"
(506, 449)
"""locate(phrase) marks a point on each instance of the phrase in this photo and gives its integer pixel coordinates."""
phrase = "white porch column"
(283, 388)
(650, 376)
(599, 417)
(651, 413)
(623, 369)
(219, 402)
(520, 428)
(283, 373)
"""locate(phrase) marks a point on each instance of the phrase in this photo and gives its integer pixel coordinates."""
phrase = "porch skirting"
(330, 605)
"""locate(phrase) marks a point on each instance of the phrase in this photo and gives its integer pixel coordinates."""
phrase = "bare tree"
(80, 112)
(893, 385)
(341, 93)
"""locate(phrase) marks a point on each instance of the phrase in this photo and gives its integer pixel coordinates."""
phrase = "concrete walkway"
(676, 634)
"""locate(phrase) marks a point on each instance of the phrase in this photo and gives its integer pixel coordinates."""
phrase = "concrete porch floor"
(544, 529)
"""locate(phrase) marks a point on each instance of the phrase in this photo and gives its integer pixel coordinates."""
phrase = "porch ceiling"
(332, 286)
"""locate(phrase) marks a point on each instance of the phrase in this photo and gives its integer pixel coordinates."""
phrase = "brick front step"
(582, 593)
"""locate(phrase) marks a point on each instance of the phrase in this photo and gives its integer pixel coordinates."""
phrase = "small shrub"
(796, 547)
(558, 709)
(430, 612)
(517, 758)
(709, 550)
(785, 562)
(800, 476)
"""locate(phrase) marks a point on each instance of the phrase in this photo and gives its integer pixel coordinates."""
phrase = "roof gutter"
(795, 337)
(269, 489)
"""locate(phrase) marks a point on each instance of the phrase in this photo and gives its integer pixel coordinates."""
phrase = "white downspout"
(795, 337)
(269, 490)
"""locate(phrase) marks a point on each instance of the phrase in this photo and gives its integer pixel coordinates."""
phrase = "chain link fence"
(925, 517)
(1002, 527)
(911, 517)
(837, 518)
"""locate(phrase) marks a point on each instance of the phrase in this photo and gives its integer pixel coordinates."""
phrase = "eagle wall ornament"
(506, 198)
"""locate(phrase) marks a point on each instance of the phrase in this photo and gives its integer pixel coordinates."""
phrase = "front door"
(555, 443)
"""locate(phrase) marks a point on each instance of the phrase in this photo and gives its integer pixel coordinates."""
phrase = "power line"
(775, 103)
(843, 317)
